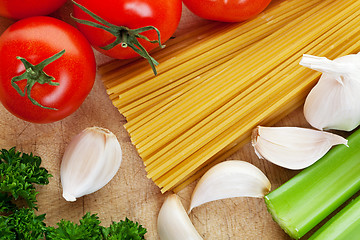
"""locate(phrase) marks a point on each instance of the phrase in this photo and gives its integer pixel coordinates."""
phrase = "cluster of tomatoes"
(47, 67)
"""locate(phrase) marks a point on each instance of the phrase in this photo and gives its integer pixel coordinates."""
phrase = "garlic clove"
(90, 161)
(334, 102)
(293, 147)
(173, 223)
(230, 179)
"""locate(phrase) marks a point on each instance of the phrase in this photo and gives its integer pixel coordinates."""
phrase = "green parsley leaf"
(88, 229)
(6, 204)
(18, 172)
(125, 230)
(22, 224)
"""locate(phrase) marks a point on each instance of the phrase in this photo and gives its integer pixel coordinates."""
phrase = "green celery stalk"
(345, 225)
(309, 197)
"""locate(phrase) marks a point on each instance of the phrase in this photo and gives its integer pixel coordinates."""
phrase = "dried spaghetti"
(206, 100)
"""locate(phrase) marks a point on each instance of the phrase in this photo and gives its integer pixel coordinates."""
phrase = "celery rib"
(345, 225)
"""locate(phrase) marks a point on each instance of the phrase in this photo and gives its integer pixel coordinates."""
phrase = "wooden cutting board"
(130, 193)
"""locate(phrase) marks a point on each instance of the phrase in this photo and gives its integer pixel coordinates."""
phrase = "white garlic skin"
(173, 222)
(292, 147)
(233, 178)
(334, 102)
(90, 161)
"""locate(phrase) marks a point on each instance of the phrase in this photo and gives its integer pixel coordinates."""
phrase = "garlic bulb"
(173, 222)
(230, 179)
(90, 161)
(334, 103)
(293, 147)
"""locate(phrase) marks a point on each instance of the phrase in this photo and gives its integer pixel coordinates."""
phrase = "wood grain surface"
(130, 193)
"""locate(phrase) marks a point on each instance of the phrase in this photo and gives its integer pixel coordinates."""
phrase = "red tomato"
(18, 9)
(162, 14)
(226, 10)
(37, 39)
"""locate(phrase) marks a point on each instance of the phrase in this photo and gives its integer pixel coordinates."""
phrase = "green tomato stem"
(35, 74)
(124, 36)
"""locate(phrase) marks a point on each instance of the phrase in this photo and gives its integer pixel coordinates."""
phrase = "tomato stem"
(124, 36)
(35, 74)
(124, 39)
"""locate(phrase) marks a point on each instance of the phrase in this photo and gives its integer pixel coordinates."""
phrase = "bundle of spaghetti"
(139, 84)
(203, 120)
(194, 137)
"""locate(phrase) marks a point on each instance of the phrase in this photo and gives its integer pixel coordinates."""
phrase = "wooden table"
(130, 193)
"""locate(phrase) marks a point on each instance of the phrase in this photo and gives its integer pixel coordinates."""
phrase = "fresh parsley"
(18, 172)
